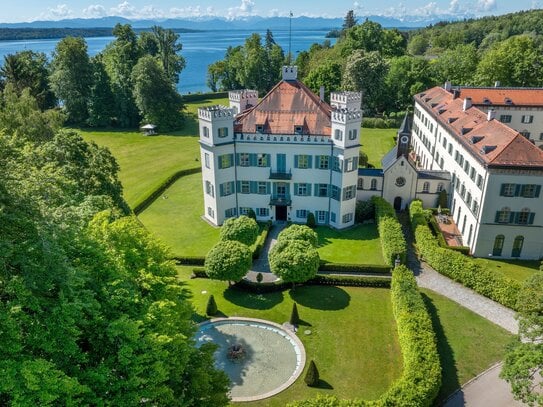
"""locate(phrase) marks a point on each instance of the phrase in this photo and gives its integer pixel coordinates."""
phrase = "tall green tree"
(156, 98)
(29, 70)
(100, 104)
(524, 360)
(517, 61)
(71, 76)
(328, 75)
(366, 72)
(120, 58)
(457, 65)
(168, 48)
(349, 21)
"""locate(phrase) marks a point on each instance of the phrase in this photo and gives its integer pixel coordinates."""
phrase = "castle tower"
(404, 137)
(218, 162)
(241, 100)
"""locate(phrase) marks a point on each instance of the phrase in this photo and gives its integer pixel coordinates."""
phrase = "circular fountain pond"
(260, 357)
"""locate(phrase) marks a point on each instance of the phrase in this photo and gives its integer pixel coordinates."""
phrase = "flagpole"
(289, 36)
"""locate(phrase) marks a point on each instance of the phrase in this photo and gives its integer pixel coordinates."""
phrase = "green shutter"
(237, 158)
(308, 189)
(268, 188)
(295, 189)
(531, 218)
(309, 161)
(231, 159)
(221, 188)
(517, 189)
(296, 161)
(317, 161)
(497, 218)
(268, 160)
(502, 190)
(275, 188)
(513, 218)
(253, 187)
(537, 190)
(252, 160)
(238, 186)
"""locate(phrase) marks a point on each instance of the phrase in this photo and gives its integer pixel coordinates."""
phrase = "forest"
(389, 65)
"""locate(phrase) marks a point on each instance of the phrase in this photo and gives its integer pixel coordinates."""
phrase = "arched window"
(426, 187)
(373, 185)
(360, 184)
(517, 246)
(498, 245)
(504, 215)
(439, 187)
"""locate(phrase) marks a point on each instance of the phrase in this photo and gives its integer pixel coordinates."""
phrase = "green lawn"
(353, 336)
(147, 161)
(175, 218)
(467, 343)
(516, 269)
(376, 143)
(359, 244)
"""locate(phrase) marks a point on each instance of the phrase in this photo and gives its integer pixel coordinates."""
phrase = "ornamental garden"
(370, 332)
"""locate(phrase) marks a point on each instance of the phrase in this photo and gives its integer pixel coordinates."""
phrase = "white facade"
(496, 176)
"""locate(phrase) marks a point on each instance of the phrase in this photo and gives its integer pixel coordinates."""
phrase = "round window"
(400, 181)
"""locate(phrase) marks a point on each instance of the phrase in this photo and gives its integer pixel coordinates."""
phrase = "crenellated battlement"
(345, 116)
(215, 112)
(346, 100)
(290, 73)
(239, 95)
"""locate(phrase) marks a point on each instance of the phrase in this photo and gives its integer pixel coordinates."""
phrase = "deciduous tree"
(228, 260)
(295, 261)
(242, 229)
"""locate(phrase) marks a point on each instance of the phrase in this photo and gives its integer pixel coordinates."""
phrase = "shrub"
(362, 159)
(190, 260)
(299, 232)
(311, 220)
(390, 231)
(199, 272)
(228, 260)
(312, 374)
(259, 277)
(350, 281)
(355, 268)
(261, 240)
(443, 199)
(294, 261)
(251, 214)
(365, 210)
(459, 267)
(211, 308)
(242, 229)
(294, 317)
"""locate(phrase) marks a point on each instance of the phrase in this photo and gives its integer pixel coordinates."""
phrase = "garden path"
(262, 265)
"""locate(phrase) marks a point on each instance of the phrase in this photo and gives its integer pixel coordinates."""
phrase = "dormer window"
(487, 149)
(508, 101)
(298, 129)
(260, 128)
(476, 139)
(487, 101)
(452, 119)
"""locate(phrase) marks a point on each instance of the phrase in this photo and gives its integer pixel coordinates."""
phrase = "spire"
(404, 137)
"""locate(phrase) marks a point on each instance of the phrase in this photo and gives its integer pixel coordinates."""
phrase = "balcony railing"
(280, 174)
(280, 200)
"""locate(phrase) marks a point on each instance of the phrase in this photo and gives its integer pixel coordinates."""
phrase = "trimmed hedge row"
(261, 239)
(152, 197)
(355, 268)
(189, 260)
(350, 281)
(441, 240)
(197, 97)
(390, 231)
(421, 377)
(459, 267)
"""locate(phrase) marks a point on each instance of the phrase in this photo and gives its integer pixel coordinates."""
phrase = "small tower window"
(205, 131)
(426, 187)
(338, 135)
(373, 185)
(223, 132)
(352, 134)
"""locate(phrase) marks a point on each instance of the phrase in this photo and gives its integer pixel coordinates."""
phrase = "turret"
(241, 100)
(216, 125)
(346, 100)
(290, 73)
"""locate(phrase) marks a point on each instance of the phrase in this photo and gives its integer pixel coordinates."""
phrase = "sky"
(30, 10)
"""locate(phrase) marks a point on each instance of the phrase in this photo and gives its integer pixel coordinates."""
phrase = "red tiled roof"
(505, 147)
(504, 96)
(288, 104)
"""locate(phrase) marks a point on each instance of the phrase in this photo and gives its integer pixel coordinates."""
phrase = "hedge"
(461, 268)
(390, 231)
(351, 281)
(261, 239)
(355, 268)
(189, 260)
(421, 377)
(152, 197)
(203, 97)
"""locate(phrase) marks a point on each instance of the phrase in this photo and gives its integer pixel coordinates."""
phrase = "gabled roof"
(503, 96)
(288, 105)
(491, 142)
(389, 158)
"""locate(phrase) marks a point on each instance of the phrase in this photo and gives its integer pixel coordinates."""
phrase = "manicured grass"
(376, 143)
(175, 218)
(146, 161)
(353, 336)
(467, 343)
(359, 244)
(516, 269)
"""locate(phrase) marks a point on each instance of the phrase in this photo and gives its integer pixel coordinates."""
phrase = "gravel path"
(261, 265)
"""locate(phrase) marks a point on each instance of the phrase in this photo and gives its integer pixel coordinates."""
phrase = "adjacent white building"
(291, 153)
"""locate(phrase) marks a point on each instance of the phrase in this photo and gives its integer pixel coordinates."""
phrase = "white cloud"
(151, 12)
(245, 9)
(95, 10)
(427, 10)
(124, 9)
(59, 12)
(191, 11)
(486, 5)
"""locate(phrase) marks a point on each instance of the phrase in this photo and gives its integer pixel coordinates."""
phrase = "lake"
(199, 49)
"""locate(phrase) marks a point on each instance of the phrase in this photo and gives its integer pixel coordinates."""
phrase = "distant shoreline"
(14, 34)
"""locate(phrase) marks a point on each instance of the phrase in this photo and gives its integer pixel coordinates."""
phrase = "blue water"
(199, 50)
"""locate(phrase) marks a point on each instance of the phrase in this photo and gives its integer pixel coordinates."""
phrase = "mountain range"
(215, 23)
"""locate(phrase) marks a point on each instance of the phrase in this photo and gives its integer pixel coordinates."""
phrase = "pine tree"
(294, 317)
(312, 375)
(443, 199)
(211, 308)
(311, 220)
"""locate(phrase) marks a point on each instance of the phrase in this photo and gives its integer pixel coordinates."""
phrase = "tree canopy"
(242, 229)
(228, 260)
(295, 261)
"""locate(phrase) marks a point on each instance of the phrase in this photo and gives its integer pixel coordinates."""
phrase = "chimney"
(491, 115)
(497, 84)
(321, 93)
(456, 93)
(447, 86)
(467, 104)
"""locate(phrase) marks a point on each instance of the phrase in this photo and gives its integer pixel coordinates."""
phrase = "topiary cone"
(294, 317)
(312, 375)
(211, 308)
